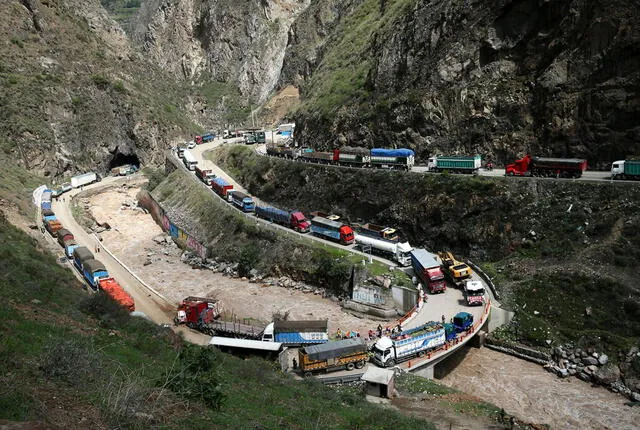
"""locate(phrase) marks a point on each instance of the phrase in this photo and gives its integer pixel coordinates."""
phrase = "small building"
(380, 382)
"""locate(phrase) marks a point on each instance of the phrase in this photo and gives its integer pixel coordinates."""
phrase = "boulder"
(585, 377)
(635, 397)
(603, 359)
(607, 374)
(563, 373)
(589, 361)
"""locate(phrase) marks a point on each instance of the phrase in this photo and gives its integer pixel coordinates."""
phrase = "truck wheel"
(391, 363)
(350, 366)
(360, 364)
(420, 353)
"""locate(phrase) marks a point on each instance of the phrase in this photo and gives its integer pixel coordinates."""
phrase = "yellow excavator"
(456, 271)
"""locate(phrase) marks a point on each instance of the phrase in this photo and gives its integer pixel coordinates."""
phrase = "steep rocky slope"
(499, 78)
(75, 96)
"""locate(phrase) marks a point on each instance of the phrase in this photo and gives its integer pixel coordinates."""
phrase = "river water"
(534, 395)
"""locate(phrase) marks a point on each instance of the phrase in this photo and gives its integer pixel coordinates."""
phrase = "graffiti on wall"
(184, 239)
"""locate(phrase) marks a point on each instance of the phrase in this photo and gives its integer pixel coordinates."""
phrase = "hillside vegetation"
(565, 254)
(72, 359)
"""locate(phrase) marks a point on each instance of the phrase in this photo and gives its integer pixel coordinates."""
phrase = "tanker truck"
(399, 252)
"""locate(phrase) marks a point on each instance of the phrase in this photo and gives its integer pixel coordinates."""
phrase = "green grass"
(62, 347)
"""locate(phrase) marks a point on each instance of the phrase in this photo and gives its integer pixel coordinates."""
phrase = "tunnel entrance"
(119, 159)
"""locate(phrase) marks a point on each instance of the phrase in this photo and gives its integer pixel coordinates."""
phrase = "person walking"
(443, 319)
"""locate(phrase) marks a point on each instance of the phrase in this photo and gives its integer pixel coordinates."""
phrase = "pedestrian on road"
(443, 319)
(379, 330)
(295, 363)
(339, 333)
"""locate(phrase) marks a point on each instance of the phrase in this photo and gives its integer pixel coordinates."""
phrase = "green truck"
(455, 164)
(626, 169)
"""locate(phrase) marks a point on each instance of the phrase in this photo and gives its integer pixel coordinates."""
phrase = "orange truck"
(111, 287)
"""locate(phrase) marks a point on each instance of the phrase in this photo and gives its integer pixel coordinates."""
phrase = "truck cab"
(299, 222)
(519, 167)
(383, 354)
(474, 292)
(463, 321)
(346, 235)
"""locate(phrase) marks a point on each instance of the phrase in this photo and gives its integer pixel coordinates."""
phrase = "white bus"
(189, 160)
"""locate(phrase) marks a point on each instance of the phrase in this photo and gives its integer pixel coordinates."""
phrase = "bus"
(190, 161)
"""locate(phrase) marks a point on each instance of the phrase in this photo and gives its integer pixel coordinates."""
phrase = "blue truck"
(48, 215)
(242, 201)
(289, 333)
(462, 321)
(330, 229)
(293, 219)
(93, 271)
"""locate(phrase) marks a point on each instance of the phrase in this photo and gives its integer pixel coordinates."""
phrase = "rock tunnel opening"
(119, 159)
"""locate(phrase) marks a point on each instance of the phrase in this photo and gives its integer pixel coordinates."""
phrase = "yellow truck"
(343, 354)
(456, 271)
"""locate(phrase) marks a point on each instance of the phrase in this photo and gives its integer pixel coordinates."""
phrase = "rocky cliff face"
(498, 78)
(241, 43)
(75, 96)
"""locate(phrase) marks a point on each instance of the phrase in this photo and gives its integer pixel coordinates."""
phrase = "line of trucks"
(91, 269)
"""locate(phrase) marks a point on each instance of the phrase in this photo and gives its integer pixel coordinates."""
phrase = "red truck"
(550, 167)
(206, 176)
(428, 270)
(197, 312)
(293, 219)
(222, 187)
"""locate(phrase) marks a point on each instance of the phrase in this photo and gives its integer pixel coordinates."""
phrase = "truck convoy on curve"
(343, 354)
(244, 202)
(454, 164)
(550, 167)
(292, 219)
(455, 271)
(414, 342)
(428, 270)
(626, 169)
(473, 292)
(333, 230)
(398, 251)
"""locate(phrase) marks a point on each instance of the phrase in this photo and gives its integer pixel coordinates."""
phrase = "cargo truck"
(456, 271)
(549, 167)
(415, 342)
(208, 137)
(462, 321)
(333, 230)
(197, 312)
(375, 230)
(52, 227)
(398, 251)
(626, 169)
(63, 236)
(45, 205)
(93, 270)
(400, 158)
(428, 270)
(48, 215)
(293, 219)
(69, 246)
(473, 292)
(111, 287)
(455, 164)
(222, 188)
(189, 160)
(283, 151)
(332, 217)
(290, 333)
(84, 179)
(343, 354)
(80, 255)
(206, 176)
(244, 202)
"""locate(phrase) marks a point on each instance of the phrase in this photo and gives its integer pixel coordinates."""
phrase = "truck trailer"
(398, 251)
(84, 179)
(222, 188)
(549, 167)
(455, 164)
(64, 235)
(303, 332)
(414, 342)
(333, 230)
(428, 270)
(80, 255)
(293, 219)
(343, 354)
(244, 202)
(113, 289)
(626, 169)
(69, 246)
(379, 231)
(400, 158)
(205, 175)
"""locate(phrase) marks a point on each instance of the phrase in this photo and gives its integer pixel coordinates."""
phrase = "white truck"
(398, 251)
(84, 179)
(411, 343)
(473, 292)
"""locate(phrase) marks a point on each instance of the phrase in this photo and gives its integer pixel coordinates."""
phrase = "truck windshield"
(378, 351)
